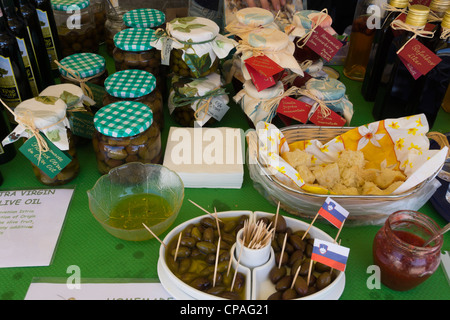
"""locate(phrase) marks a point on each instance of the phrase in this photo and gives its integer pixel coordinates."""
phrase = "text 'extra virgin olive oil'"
(18, 28)
(48, 26)
(27, 11)
(132, 211)
(14, 87)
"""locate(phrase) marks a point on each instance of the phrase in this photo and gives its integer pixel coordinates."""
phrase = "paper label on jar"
(165, 51)
(324, 44)
(260, 81)
(264, 65)
(294, 109)
(82, 124)
(9, 91)
(217, 108)
(332, 120)
(48, 38)
(51, 162)
(418, 59)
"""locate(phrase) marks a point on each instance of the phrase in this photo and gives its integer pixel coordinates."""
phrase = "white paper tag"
(217, 108)
(165, 52)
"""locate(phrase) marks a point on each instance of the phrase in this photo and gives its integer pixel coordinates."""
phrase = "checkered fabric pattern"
(123, 119)
(130, 83)
(144, 18)
(135, 39)
(63, 5)
(86, 64)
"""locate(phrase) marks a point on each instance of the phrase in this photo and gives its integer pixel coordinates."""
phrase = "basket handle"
(441, 139)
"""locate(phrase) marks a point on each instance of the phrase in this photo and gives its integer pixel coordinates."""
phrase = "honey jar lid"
(270, 39)
(144, 18)
(123, 119)
(86, 64)
(135, 39)
(131, 83)
(64, 5)
(446, 20)
(417, 15)
(254, 16)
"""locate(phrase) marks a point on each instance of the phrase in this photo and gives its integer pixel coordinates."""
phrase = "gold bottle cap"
(446, 20)
(399, 3)
(417, 15)
(439, 6)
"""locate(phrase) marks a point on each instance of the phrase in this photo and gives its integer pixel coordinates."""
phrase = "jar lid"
(264, 38)
(269, 93)
(446, 20)
(254, 16)
(63, 5)
(135, 39)
(193, 29)
(85, 63)
(327, 90)
(131, 83)
(144, 18)
(417, 15)
(123, 119)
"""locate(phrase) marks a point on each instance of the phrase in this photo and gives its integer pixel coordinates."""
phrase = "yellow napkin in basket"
(391, 143)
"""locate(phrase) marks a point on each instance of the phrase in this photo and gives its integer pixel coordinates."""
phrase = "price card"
(51, 162)
(294, 109)
(82, 124)
(333, 120)
(418, 59)
(324, 44)
(261, 70)
(165, 52)
(217, 109)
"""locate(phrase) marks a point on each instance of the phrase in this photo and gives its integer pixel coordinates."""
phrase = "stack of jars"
(76, 26)
(193, 47)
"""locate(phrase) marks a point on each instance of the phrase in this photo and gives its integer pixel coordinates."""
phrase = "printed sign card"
(418, 59)
(333, 120)
(294, 109)
(324, 44)
(261, 70)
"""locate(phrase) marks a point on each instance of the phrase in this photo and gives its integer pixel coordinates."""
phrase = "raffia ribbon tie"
(74, 75)
(417, 32)
(433, 17)
(244, 47)
(270, 105)
(322, 105)
(236, 28)
(207, 102)
(445, 34)
(305, 38)
(391, 9)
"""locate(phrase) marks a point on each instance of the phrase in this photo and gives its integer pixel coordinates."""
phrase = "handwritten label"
(419, 59)
(422, 2)
(294, 109)
(264, 65)
(82, 124)
(324, 44)
(51, 162)
(217, 109)
(165, 52)
(261, 82)
(333, 120)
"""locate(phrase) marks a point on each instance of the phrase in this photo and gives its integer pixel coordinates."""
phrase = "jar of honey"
(399, 252)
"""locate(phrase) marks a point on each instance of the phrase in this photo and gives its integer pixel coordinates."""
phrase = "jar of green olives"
(197, 102)
(99, 12)
(192, 46)
(125, 132)
(134, 51)
(45, 116)
(86, 66)
(76, 26)
(144, 18)
(114, 24)
(135, 85)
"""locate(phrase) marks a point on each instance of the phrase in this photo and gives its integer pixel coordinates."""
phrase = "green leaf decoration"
(187, 28)
(183, 20)
(220, 43)
(69, 98)
(53, 135)
(198, 65)
(46, 99)
(188, 91)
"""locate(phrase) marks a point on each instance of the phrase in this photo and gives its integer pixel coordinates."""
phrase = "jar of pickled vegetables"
(46, 116)
(114, 24)
(399, 252)
(195, 46)
(144, 18)
(99, 12)
(76, 26)
(197, 102)
(134, 51)
(135, 85)
(89, 67)
(125, 132)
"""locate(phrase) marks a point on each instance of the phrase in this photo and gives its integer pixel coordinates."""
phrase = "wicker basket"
(364, 210)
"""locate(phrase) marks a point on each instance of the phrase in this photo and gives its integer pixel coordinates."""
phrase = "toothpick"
(309, 227)
(309, 272)
(282, 250)
(237, 265)
(276, 218)
(217, 260)
(198, 206)
(154, 235)
(295, 276)
(178, 246)
(217, 222)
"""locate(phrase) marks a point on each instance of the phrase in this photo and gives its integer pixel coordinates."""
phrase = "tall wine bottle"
(8, 152)
(48, 27)
(17, 26)
(378, 53)
(437, 80)
(28, 13)
(398, 91)
(14, 85)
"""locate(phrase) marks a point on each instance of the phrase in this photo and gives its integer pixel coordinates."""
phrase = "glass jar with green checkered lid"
(85, 66)
(99, 13)
(125, 132)
(135, 85)
(76, 26)
(134, 51)
(144, 18)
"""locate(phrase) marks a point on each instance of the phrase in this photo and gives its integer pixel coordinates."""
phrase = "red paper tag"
(324, 44)
(261, 82)
(422, 2)
(295, 109)
(413, 71)
(264, 65)
(419, 57)
(333, 120)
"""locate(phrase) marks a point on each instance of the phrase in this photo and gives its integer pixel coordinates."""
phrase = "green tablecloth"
(84, 243)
